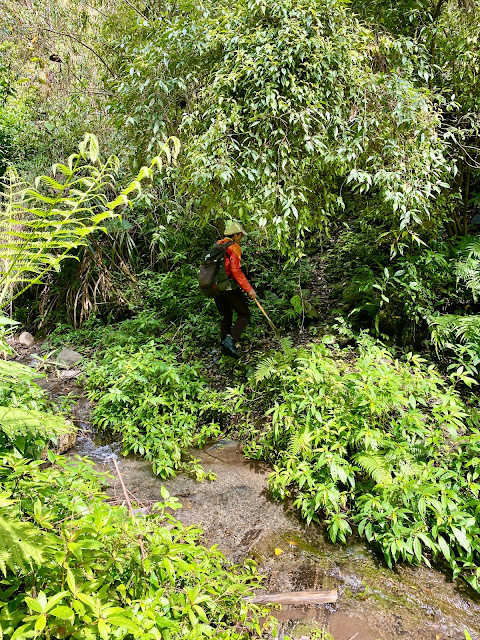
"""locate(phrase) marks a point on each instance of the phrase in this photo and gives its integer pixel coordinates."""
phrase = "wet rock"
(225, 450)
(68, 357)
(26, 339)
(354, 583)
(66, 441)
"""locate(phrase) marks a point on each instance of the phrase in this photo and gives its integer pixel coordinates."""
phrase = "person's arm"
(235, 254)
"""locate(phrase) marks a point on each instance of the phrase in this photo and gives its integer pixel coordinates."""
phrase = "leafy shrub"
(177, 301)
(100, 573)
(377, 442)
(159, 404)
(397, 299)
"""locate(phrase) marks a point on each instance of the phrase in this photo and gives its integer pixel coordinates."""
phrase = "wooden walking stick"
(275, 330)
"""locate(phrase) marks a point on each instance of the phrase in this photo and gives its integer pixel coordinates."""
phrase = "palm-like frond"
(300, 442)
(450, 328)
(40, 224)
(16, 422)
(286, 344)
(468, 268)
(265, 368)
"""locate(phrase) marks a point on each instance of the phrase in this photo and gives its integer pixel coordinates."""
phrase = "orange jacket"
(233, 260)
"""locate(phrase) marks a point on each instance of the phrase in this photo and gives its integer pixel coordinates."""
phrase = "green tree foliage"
(448, 33)
(285, 115)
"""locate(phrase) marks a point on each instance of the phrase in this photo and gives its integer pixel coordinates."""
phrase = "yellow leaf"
(278, 551)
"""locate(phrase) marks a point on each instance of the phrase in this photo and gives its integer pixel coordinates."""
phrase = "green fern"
(374, 465)
(24, 422)
(449, 328)
(286, 344)
(19, 545)
(468, 268)
(300, 442)
(265, 368)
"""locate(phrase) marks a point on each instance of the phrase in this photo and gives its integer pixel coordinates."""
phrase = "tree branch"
(136, 10)
(73, 37)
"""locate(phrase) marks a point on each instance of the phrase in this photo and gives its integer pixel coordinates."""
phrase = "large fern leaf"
(451, 328)
(300, 442)
(20, 545)
(467, 268)
(27, 422)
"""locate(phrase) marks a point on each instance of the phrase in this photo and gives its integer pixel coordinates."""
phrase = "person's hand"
(252, 294)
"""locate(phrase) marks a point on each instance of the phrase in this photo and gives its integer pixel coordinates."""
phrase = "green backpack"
(212, 277)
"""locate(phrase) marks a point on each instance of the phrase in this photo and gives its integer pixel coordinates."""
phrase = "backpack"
(212, 276)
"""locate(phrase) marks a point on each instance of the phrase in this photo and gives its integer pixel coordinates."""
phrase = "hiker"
(233, 299)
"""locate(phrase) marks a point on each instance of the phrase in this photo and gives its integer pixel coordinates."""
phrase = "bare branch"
(73, 37)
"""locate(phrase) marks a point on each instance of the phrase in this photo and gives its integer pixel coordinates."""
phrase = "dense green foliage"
(84, 569)
(160, 406)
(345, 136)
(382, 443)
(75, 567)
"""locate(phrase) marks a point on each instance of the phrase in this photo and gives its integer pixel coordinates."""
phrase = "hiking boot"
(228, 347)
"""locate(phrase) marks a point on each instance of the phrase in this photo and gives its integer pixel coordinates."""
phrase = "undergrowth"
(159, 404)
(84, 569)
(375, 442)
(72, 566)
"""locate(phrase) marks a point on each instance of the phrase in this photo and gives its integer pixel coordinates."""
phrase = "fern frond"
(375, 466)
(450, 328)
(468, 268)
(265, 368)
(286, 344)
(300, 442)
(20, 545)
(21, 422)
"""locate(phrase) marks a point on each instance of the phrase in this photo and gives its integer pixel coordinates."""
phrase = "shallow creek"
(238, 515)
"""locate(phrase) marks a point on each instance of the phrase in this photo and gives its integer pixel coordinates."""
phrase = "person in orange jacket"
(234, 299)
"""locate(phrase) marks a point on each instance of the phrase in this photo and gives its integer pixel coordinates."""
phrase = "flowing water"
(238, 515)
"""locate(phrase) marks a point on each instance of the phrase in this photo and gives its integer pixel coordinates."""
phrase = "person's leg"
(238, 303)
(225, 310)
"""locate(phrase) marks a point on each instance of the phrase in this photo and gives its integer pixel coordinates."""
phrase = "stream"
(237, 514)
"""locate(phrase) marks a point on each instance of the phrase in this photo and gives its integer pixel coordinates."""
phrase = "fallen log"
(295, 597)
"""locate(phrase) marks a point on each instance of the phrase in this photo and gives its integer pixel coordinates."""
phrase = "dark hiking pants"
(227, 303)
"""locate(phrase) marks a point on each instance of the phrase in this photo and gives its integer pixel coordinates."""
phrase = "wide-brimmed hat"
(232, 227)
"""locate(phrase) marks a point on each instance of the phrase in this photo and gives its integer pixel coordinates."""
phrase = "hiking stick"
(275, 330)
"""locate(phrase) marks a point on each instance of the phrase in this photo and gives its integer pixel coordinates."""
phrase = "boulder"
(68, 357)
(26, 339)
